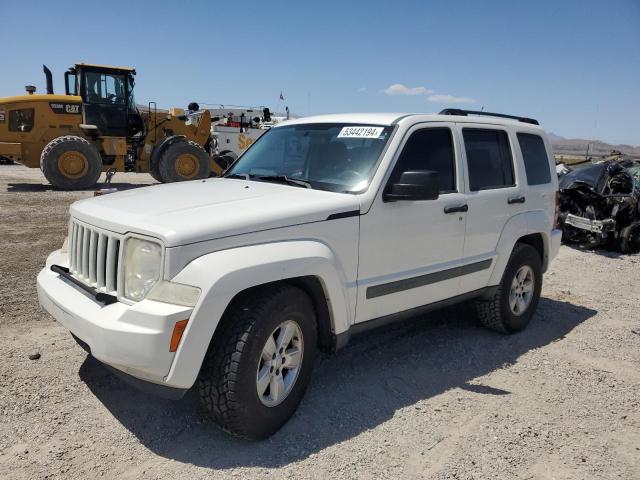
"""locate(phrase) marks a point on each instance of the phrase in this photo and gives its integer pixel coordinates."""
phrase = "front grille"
(94, 256)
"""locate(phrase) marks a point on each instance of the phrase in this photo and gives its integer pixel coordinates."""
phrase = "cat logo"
(68, 108)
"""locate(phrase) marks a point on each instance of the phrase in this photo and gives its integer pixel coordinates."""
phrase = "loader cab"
(107, 98)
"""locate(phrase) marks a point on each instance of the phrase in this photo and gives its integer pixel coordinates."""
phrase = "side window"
(536, 162)
(429, 149)
(488, 158)
(21, 120)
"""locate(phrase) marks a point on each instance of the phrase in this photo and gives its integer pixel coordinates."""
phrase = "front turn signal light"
(176, 336)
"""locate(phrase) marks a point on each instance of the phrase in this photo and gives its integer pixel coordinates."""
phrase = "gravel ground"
(435, 398)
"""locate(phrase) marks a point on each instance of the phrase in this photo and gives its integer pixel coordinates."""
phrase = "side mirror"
(413, 185)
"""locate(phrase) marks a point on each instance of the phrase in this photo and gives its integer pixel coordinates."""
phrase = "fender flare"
(160, 147)
(538, 222)
(224, 274)
(518, 226)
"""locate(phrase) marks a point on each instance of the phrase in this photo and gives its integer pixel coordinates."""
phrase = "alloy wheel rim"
(279, 363)
(521, 291)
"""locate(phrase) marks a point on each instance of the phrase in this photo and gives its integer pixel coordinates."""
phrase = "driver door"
(411, 251)
(105, 103)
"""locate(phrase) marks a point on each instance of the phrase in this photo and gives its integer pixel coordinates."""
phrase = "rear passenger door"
(493, 194)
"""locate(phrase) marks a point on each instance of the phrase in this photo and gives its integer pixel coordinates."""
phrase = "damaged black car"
(599, 206)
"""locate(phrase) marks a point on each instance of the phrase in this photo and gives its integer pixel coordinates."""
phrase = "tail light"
(556, 219)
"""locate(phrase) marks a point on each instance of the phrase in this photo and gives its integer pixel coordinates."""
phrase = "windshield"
(105, 88)
(334, 157)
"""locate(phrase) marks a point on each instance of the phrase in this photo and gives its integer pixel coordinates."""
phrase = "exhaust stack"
(49, 77)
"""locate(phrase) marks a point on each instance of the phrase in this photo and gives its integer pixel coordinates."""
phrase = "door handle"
(456, 208)
(513, 200)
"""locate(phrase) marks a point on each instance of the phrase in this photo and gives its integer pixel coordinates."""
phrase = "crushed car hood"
(594, 176)
(188, 212)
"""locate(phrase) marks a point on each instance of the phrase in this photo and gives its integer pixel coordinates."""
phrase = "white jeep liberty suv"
(325, 227)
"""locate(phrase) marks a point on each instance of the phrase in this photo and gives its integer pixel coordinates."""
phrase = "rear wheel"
(511, 307)
(183, 160)
(259, 363)
(71, 163)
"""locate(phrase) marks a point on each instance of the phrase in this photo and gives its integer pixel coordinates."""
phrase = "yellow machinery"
(97, 126)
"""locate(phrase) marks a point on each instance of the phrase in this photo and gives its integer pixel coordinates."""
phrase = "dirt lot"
(437, 398)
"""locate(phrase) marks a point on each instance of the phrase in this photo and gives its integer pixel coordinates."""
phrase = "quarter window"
(21, 120)
(429, 149)
(488, 159)
(536, 162)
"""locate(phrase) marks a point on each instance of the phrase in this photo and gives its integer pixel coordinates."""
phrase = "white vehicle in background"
(234, 129)
(327, 226)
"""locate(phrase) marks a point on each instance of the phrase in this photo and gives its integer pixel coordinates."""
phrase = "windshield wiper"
(244, 176)
(285, 179)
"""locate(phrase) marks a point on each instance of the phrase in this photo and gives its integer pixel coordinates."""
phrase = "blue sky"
(574, 65)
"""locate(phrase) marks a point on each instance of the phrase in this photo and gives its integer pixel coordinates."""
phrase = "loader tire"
(498, 312)
(183, 160)
(71, 163)
(155, 175)
(237, 376)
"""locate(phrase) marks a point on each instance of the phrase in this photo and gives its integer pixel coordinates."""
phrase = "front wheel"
(259, 364)
(513, 304)
(630, 238)
(181, 161)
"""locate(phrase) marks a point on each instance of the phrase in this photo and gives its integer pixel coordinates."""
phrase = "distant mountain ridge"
(578, 146)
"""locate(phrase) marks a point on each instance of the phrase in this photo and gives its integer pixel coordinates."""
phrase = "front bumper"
(132, 339)
(593, 226)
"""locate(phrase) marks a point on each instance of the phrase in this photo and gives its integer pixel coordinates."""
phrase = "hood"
(598, 177)
(188, 212)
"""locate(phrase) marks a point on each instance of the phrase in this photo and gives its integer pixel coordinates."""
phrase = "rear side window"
(21, 120)
(429, 149)
(488, 158)
(536, 162)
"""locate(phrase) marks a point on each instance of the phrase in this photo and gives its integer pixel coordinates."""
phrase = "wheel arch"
(313, 287)
(308, 265)
(532, 228)
(536, 240)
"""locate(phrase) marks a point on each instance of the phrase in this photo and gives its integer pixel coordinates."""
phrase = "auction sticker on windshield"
(360, 132)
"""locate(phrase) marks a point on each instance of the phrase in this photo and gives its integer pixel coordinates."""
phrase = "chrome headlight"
(142, 266)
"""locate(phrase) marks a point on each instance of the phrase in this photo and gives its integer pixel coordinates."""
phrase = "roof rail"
(464, 113)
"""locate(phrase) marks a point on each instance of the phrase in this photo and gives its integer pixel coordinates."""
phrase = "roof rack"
(464, 113)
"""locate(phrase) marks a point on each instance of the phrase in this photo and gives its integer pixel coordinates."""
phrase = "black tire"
(197, 162)
(630, 238)
(223, 161)
(71, 163)
(155, 175)
(495, 312)
(227, 383)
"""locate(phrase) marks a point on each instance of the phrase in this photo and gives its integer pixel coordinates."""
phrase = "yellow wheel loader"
(96, 126)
